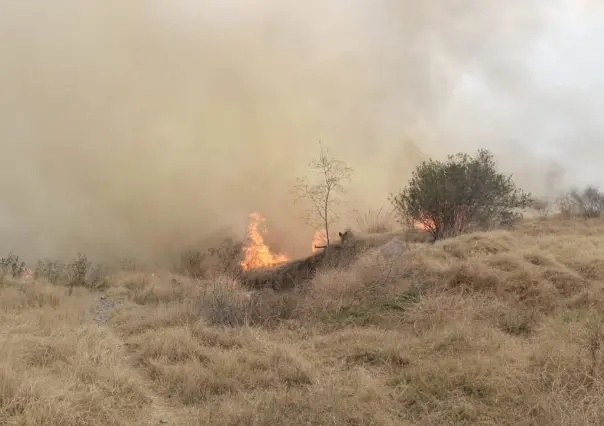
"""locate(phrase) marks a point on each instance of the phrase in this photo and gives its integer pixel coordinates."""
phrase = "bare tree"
(589, 201)
(322, 193)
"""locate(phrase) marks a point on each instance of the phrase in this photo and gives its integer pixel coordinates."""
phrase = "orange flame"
(319, 239)
(256, 253)
(424, 223)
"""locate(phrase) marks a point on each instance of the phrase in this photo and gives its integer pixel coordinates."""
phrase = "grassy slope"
(506, 329)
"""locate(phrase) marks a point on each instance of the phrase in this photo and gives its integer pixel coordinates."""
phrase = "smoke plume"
(135, 128)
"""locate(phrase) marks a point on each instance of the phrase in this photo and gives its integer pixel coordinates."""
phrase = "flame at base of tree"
(426, 222)
(319, 240)
(256, 254)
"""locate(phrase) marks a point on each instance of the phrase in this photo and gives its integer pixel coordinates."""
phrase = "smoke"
(137, 128)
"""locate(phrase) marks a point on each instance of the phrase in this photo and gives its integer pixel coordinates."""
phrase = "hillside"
(503, 327)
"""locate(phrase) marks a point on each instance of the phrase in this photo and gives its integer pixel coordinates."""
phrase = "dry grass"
(377, 221)
(502, 327)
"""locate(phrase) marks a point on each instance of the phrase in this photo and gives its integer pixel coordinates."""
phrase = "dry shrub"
(586, 203)
(225, 303)
(589, 201)
(12, 266)
(566, 207)
(79, 272)
(192, 263)
(224, 258)
(542, 207)
(269, 308)
(222, 302)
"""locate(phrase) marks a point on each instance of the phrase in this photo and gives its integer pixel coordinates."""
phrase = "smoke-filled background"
(135, 128)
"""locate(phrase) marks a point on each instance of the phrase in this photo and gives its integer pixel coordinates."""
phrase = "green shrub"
(462, 193)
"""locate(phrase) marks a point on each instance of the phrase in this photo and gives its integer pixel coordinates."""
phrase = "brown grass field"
(502, 328)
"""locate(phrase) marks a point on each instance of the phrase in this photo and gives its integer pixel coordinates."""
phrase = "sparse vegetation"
(566, 207)
(192, 263)
(586, 203)
(460, 194)
(12, 265)
(79, 272)
(227, 257)
(321, 193)
(501, 327)
(223, 259)
(50, 270)
(497, 327)
(589, 202)
(542, 206)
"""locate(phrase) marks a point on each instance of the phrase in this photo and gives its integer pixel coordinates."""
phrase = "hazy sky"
(558, 118)
(139, 127)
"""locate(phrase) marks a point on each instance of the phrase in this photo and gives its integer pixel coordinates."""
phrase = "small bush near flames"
(463, 193)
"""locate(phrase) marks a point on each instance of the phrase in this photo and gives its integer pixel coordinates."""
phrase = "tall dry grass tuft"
(376, 222)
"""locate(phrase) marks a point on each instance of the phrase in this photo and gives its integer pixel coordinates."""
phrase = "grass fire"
(256, 254)
(368, 213)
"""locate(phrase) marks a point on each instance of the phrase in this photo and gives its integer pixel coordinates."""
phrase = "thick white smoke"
(136, 128)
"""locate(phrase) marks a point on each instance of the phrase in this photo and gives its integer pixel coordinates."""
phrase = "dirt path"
(161, 411)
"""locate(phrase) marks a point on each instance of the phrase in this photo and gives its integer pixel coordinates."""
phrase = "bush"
(51, 270)
(192, 263)
(80, 272)
(223, 303)
(588, 202)
(228, 256)
(462, 193)
(542, 207)
(566, 207)
(224, 259)
(12, 265)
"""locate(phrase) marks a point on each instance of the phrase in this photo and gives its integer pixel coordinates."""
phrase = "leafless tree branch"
(321, 194)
